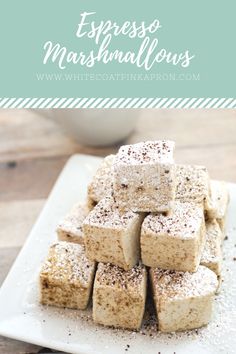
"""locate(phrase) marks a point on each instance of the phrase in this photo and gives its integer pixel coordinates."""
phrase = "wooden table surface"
(33, 151)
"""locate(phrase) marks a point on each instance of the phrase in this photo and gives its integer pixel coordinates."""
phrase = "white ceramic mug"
(95, 127)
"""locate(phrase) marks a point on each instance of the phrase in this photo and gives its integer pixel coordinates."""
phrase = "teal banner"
(119, 48)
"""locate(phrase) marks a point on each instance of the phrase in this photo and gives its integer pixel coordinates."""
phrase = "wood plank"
(10, 346)
(26, 134)
(219, 160)
(29, 179)
(187, 127)
(16, 220)
(7, 257)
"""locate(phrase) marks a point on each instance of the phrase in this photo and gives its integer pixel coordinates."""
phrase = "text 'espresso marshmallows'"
(103, 34)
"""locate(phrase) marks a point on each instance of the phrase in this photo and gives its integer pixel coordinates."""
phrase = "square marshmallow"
(219, 203)
(70, 228)
(144, 176)
(193, 184)
(174, 241)
(119, 296)
(101, 184)
(112, 236)
(183, 300)
(212, 254)
(66, 278)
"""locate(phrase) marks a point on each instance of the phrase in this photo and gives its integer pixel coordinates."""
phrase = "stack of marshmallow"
(146, 219)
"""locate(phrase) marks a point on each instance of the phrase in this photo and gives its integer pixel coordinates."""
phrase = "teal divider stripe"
(185, 103)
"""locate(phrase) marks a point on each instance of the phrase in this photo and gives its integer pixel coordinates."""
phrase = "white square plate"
(22, 318)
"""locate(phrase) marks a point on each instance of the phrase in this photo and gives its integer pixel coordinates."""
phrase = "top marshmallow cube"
(144, 176)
